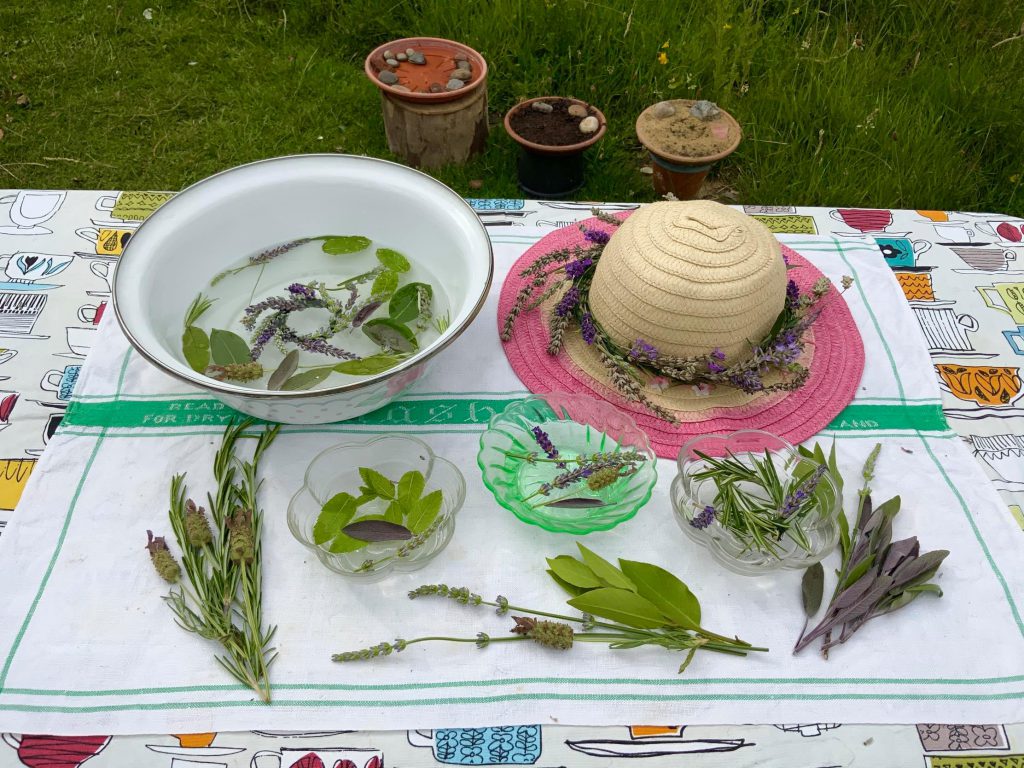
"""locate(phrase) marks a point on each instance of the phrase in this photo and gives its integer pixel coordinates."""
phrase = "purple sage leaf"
(580, 502)
(376, 530)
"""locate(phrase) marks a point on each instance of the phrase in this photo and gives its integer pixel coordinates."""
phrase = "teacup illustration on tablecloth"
(14, 475)
(986, 259)
(1003, 453)
(19, 313)
(30, 209)
(62, 382)
(984, 385)
(1006, 232)
(901, 251)
(22, 269)
(106, 242)
(318, 757)
(505, 745)
(133, 205)
(916, 283)
(56, 751)
(788, 225)
(865, 220)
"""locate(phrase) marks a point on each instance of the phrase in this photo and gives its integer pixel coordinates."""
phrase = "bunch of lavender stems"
(617, 636)
(762, 517)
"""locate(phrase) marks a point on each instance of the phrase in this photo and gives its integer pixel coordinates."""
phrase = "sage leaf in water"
(393, 260)
(284, 371)
(391, 335)
(227, 348)
(195, 345)
(338, 246)
(369, 365)
(580, 502)
(307, 379)
(376, 530)
(812, 589)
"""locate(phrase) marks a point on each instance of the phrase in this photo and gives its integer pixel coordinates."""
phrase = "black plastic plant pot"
(552, 171)
(550, 176)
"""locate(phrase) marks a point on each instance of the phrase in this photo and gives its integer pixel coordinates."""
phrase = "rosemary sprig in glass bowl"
(755, 502)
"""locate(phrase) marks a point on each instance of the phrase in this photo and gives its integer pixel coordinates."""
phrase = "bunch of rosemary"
(221, 597)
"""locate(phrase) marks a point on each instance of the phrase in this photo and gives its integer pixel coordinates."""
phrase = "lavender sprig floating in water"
(599, 470)
(757, 504)
(877, 575)
(660, 611)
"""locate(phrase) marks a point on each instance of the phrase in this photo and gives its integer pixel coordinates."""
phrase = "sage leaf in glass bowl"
(369, 509)
(755, 503)
(568, 463)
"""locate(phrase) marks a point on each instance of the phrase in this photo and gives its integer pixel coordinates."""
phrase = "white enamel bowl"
(211, 224)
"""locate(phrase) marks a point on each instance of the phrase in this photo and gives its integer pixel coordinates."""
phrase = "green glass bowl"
(577, 425)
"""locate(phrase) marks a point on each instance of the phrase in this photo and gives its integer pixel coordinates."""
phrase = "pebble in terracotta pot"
(589, 124)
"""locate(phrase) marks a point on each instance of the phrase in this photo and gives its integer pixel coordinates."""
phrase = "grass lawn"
(910, 104)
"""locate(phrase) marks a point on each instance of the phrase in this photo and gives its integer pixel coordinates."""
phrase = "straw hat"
(687, 278)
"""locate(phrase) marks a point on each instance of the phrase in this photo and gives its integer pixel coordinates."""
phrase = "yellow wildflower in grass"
(664, 45)
(662, 58)
(727, 26)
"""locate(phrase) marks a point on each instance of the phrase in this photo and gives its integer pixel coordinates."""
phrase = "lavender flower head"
(298, 289)
(545, 442)
(568, 302)
(792, 295)
(642, 351)
(575, 269)
(587, 328)
(704, 518)
(803, 492)
(596, 236)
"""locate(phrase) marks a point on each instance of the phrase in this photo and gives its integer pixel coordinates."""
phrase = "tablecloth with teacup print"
(962, 274)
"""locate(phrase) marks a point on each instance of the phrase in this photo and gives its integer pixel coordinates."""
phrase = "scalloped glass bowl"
(690, 496)
(337, 469)
(577, 424)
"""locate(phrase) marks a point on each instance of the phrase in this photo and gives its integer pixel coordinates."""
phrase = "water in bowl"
(246, 284)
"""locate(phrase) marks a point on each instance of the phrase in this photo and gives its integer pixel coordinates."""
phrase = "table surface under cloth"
(957, 288)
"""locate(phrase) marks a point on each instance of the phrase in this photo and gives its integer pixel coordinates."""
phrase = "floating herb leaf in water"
(195, 344)
(284, 371)
(393, 260)
(227, 348)
(391, 336)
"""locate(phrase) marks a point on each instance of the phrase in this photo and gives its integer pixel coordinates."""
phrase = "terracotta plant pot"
(680, 174)
(548, 170)
(424, 128)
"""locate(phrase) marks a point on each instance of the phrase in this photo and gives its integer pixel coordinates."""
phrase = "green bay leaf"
(391, 335)
(334, 516)
(342, 244)
(570, 569)
(393, 260)
(410, 487)
(307, 379)
(369, 365)
(605, 571)
(424, 512)
(227, 348)
(574, 591)
(195, 345)
(665, 591)
(620, 605)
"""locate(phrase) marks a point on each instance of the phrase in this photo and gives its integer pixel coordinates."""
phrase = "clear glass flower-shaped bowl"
(577, 425)
(690, 495)
(337, 469)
